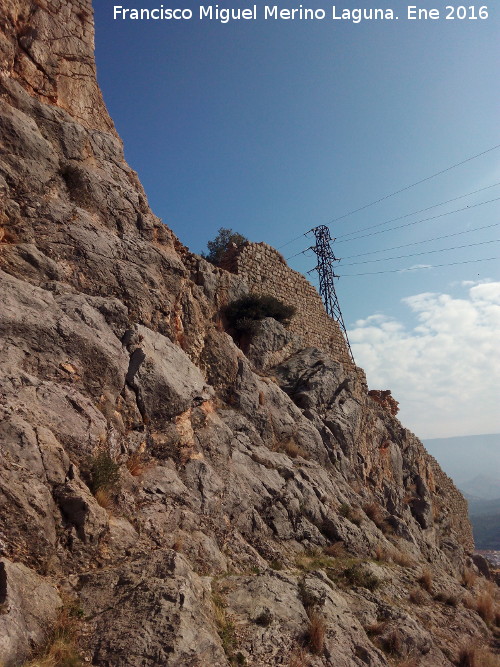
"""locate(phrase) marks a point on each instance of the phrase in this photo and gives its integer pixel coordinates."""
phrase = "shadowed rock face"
(236, 472)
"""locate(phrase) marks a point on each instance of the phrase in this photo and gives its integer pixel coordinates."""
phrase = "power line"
(419, 268)
(423, 180)
(425, 252)
(422, 210)
(392, 194)
(405, 245)
(415, 222)
(288, 242)
(302, 252)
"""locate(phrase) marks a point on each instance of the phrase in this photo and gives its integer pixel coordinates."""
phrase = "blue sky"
(271, 128)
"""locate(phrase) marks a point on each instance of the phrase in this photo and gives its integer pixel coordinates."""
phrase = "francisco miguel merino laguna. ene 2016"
(273, 12)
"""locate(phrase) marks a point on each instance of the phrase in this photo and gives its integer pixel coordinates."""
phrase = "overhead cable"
(435, 238)
(419, 268)
(416, 254)
(302, 252)
(412, 185)
(415, 222)
(422, 210)
(288, 242)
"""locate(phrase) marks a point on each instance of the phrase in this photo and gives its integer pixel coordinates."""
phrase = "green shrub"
(356, 575)
(345, 510)
(221, 243)
(245, 312)
(104, 473)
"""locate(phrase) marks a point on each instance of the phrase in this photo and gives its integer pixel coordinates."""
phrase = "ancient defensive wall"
(266, 272)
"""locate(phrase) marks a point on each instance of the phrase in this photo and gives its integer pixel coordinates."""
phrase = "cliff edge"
(173, 497)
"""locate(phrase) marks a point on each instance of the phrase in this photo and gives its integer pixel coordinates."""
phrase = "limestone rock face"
(200, 503)
(28, 605)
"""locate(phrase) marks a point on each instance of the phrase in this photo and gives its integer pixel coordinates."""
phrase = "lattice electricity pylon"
(326, 274)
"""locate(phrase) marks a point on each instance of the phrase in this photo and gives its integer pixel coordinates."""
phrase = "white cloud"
(416, 266)
(445, 371)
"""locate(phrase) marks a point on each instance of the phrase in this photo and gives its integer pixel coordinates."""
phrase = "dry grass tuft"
(298, 658)
(393, 643)
(417, 596)
(290, 448)
(353, 514)
(402, 559)
(393, 555)
(447, 598)
(374, 512)
(60, 648)
(225, 626)
(408, 662)
(477, 657)
(336, 550)
(469, 602)
(105, 499)
(375, 629)
(178, 544)
(425, 580)
(485, 607)
(136, 464)
(469, 578)
(313, 560)
(315, 634)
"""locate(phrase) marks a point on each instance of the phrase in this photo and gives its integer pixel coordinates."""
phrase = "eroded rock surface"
(268, 511)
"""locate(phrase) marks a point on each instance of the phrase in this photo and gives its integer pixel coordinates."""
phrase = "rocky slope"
(185, 502)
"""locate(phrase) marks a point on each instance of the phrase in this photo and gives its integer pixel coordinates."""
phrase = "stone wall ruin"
(266, 272)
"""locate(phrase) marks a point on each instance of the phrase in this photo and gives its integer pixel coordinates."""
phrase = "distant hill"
(478, 507)
(482, 487)
(473, 462)
(465, 457)
(485, 518)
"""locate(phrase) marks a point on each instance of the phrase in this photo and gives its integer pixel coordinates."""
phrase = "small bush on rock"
(357, 575)
(243, 314)
(104, 473)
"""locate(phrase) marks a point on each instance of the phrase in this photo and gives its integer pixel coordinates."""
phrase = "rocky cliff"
(166, 497)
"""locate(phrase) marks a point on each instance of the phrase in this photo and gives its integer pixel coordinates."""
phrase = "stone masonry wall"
(266, 272)
(456, 505)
